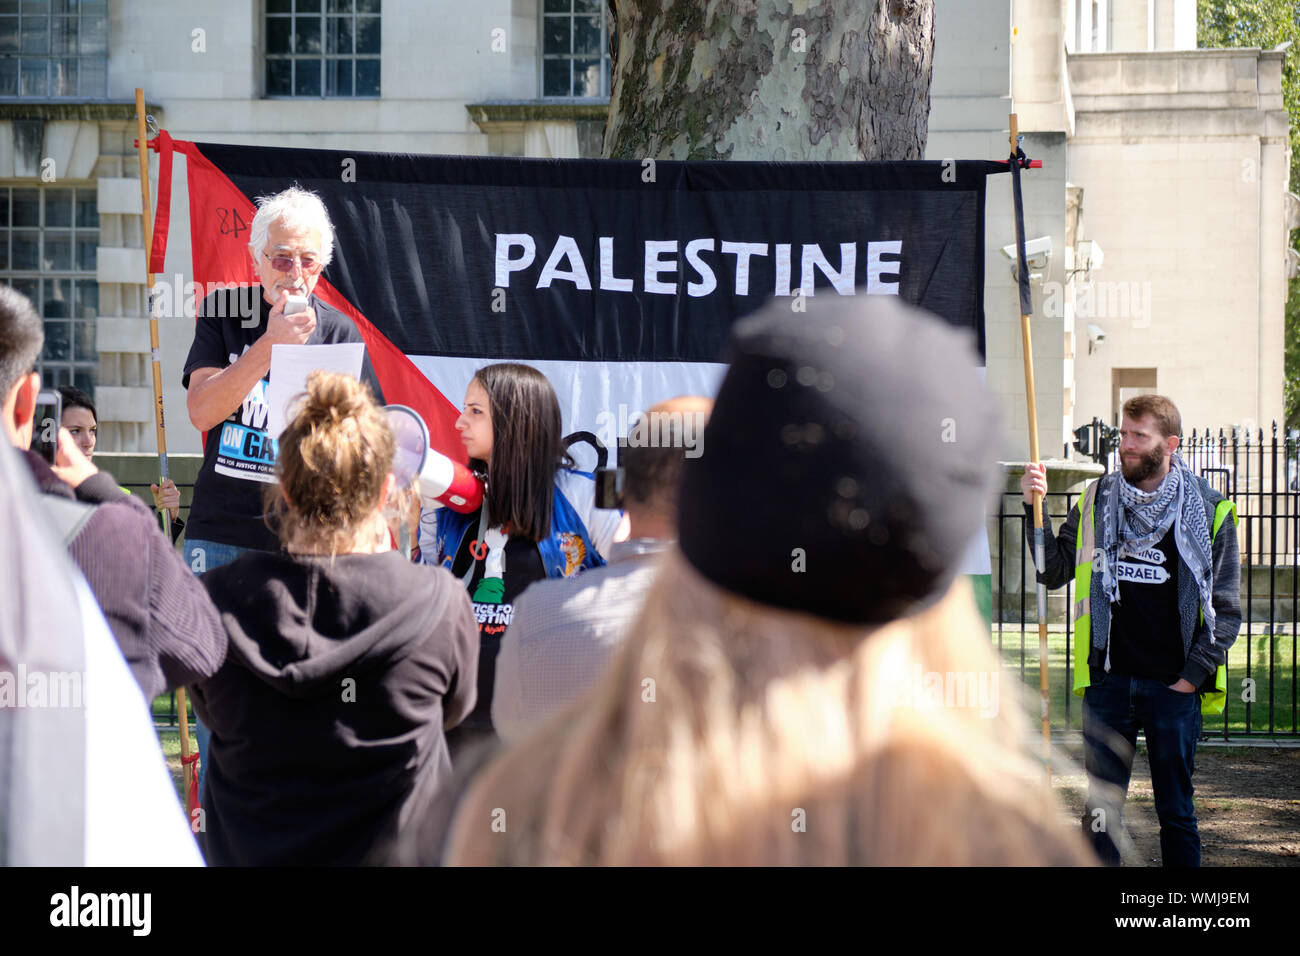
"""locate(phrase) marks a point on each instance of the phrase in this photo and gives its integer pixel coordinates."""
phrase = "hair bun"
(330, 400)
(334, 456)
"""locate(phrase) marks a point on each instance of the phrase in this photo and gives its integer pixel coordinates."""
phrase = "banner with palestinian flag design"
(617, 279)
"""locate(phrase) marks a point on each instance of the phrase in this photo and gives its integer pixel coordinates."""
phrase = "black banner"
(616, 261)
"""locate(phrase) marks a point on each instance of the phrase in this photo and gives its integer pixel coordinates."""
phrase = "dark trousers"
(1113, 713)
(204, 556)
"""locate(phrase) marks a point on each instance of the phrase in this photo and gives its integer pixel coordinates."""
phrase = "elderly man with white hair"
(227, 375)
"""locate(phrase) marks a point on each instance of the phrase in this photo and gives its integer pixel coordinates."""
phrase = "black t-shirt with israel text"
(1145, 630)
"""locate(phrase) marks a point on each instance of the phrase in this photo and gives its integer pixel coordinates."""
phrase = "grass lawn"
(169, 735)
(170, 738)
(1238, 710)
(163, 708)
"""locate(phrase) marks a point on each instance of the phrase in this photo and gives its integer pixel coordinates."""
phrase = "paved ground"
(1247, 803)
(1247, 806)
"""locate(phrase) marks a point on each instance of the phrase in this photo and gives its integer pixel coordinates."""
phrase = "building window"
(575, 49)
(48, 241)
(51, 49)
(322, 48)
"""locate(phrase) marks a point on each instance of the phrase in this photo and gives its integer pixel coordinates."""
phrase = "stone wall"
(1184, 160)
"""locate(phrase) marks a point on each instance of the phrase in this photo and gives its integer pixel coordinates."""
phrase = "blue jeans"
(204, 556)
(1113, 712)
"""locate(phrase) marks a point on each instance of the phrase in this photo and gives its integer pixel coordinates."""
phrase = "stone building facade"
(1172, 161)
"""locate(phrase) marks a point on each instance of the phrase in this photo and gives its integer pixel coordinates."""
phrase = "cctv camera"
(1089, 255)
(1096, 335)
(1038, 252)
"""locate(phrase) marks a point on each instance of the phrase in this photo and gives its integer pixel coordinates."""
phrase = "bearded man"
(1156, 606)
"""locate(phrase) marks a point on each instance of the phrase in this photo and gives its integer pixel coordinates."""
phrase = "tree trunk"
(783, 80)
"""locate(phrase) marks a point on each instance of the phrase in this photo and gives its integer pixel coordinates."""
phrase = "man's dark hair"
(22, 336)
(652, 468)
(74, 397)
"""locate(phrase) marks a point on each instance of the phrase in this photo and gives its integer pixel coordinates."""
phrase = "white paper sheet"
(290, 366)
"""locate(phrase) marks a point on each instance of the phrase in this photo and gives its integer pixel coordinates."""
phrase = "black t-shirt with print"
(494, 604)
(1145, 630)
(238, 456)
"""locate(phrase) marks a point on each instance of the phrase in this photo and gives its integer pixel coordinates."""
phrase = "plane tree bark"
(782, 80)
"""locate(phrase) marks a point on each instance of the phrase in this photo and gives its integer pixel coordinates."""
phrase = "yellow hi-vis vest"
(1212, 703)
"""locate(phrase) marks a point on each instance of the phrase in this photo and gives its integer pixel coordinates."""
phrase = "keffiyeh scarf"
(1133, 520)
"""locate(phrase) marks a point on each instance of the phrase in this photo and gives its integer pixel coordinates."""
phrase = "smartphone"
(609, 488)
(46, 423)
(609, 481)
(295, 304)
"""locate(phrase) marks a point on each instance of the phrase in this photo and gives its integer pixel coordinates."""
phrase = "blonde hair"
(335, 457)
(728, 733)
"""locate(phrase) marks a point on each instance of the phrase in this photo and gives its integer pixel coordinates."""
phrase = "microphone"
(442, 482)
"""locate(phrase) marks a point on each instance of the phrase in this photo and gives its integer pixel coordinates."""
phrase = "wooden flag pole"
(159, 423)
(1030, 405)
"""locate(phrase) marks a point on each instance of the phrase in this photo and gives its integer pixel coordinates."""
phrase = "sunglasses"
(285, 263)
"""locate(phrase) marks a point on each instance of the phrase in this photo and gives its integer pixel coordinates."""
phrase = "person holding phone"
(228, 371)
(165, 624)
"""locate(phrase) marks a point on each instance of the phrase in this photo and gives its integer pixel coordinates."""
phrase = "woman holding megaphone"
(538, 518)
(346, 660)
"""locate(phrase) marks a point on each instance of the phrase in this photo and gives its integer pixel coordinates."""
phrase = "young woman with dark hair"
(80, 419)
(538, 518)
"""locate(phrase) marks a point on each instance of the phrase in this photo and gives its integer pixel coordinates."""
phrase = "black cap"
(847, 462)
